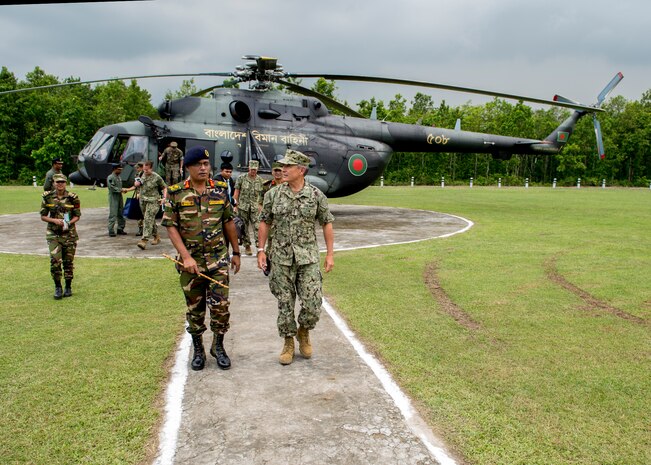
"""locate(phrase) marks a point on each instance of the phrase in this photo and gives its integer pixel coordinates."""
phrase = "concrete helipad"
(340, 407)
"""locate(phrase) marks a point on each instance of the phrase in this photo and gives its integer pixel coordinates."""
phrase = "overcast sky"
(533, 48)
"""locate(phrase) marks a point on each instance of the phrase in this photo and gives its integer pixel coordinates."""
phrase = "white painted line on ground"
(174, 404)
(413, 420)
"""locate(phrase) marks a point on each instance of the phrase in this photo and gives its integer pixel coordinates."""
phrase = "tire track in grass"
(591, 301)
(430, 276)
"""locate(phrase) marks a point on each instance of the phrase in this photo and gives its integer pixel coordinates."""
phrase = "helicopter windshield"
(135, 150)
(98, 147)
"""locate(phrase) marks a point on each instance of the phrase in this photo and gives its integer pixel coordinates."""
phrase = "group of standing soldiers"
(198, 216)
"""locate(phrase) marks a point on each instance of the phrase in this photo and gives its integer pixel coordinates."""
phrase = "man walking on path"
(291, 209)
(151, 186)
(199, 222)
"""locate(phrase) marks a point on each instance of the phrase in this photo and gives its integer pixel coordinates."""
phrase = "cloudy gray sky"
(527, 47)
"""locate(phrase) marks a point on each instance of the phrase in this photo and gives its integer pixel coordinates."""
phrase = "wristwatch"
(237, 254)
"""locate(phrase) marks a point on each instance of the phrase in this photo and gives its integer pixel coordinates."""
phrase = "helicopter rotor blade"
(600, 140)
(433, 85)
(75, 83)
(206, 90)
(609, 87)
(331, 103)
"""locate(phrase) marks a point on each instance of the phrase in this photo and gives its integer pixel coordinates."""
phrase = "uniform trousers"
(285, 283)
(201, 293)
(62, 253)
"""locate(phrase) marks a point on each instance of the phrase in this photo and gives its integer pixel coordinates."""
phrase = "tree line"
(38, 126)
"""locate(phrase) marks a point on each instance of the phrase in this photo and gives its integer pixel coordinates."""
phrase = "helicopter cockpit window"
(240, 111)
(98, 147)
(135, 150)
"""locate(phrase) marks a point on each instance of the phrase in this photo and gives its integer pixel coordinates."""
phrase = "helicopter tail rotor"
(600, 99)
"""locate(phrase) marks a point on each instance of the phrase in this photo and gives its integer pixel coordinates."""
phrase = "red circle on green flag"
(357, 164)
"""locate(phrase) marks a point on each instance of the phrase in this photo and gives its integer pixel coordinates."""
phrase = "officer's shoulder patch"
(46, 193)
(175, 188)
(221, 184)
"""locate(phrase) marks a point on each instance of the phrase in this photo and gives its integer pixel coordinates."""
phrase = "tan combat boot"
(142, 243)
(156, 240)
(287, 355)
(304, 346)
(248, 250)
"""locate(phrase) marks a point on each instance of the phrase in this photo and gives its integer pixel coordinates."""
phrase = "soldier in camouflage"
(249, 189)
(172, 159)
(199, 222)
(151, 185)
(291, 210)
(277, 172)
(61, 209)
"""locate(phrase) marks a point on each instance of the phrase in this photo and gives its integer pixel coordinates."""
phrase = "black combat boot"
(199, 357)
(217, 351)
(58, 291)
(67, 292)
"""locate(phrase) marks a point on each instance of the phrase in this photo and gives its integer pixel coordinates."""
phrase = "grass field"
(525, 340)
(549, 359)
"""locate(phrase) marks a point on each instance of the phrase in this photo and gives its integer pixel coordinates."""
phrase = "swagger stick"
(200, 274)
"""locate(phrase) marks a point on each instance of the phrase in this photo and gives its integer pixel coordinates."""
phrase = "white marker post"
(412, 181)
(603, 183)
(381, 181)
(554, 184)
(578, 183)
(526, 183)
(442, 182)
(499, 183)
(471, 183)
(34, 181)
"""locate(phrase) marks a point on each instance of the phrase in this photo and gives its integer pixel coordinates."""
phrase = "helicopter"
(348, 152)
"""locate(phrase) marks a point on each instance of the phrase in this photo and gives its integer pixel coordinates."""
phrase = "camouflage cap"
(173, 144)
(254, 164)
(294, 157)
(276, 165)
(59, 177)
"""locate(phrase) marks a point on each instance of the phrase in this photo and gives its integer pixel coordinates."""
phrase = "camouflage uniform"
(172, 157)
(149, 193)
(269, 185)
(295, 253)
(62, 244)
(248, 202)
(116, 202)
(200, 221)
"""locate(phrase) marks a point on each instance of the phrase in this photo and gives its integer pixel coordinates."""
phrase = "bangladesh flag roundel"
(357, 164)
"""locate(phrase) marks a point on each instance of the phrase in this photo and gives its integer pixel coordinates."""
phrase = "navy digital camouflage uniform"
(295, 253)
(171, 158)
(61, 244)
(116, 202)
(149, 194)
(248, 203)
(200, 219)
